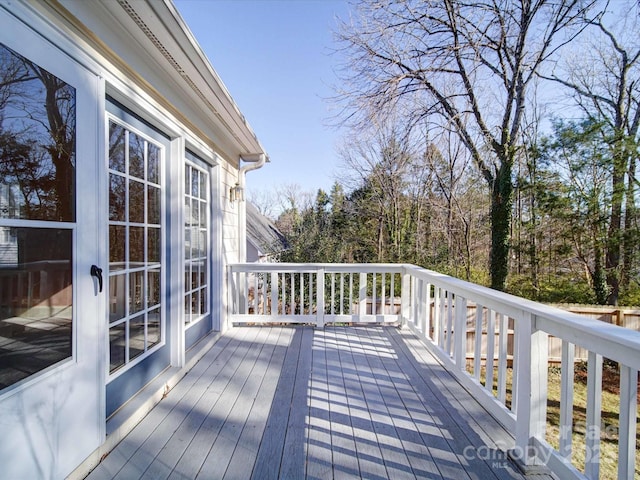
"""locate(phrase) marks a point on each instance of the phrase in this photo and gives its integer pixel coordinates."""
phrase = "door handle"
(97, 272)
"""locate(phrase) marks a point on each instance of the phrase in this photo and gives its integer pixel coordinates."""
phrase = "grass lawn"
(610, 423)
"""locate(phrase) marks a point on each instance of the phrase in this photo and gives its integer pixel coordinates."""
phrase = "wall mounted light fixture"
(236, 193)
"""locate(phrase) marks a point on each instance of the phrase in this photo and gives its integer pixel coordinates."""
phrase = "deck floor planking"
(297, 402)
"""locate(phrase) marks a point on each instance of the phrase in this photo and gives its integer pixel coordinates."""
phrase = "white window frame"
(164, 304)
(194, 162)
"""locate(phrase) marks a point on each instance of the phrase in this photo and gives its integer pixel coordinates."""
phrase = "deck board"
(367, 449)
(248, 446)
(124, 451)
(175, 434)
(297, 402)
(278, 426)
(293, 454)
(469, 424)
(184, 454)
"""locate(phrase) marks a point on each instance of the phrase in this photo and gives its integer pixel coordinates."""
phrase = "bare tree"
(468, 63)
(380, 158)
(266, 201)
(604, 82)
(450, 174)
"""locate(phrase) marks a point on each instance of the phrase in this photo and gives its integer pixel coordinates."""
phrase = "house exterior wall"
(139, 57)
(230, 235)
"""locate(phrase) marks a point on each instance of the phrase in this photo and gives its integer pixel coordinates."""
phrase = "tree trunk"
(630, 228)
(614, 240)
(501, 204)
(599, 278)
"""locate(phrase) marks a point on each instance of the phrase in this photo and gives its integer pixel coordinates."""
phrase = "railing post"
(532, 349)
(320, 299)
(405, 299)
(231, 297)
(460, 332)
(362, 295)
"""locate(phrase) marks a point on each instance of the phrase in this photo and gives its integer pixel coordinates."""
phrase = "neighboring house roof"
(263, 234)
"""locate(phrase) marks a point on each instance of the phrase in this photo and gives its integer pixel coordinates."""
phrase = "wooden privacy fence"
(623, 317)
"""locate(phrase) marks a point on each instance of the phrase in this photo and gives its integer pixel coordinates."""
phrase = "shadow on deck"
(287, 402)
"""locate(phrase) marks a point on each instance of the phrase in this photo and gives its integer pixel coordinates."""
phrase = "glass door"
(51, 395)
(135, 245)
(139, 337)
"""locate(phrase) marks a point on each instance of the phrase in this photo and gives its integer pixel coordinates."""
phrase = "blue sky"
(275, 57)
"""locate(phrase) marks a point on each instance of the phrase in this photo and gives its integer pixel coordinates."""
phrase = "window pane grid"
(196, 238)
(135, 243)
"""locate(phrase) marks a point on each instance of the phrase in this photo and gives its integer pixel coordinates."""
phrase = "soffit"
(151, 37)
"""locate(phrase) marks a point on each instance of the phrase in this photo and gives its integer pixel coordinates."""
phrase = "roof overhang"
(150, 41)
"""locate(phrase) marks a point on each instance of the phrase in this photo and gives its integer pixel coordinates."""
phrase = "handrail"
(509, 333)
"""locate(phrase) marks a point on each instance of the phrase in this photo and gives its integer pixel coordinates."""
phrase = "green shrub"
(552, 290)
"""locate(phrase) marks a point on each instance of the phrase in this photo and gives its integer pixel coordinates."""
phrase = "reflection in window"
(37, 142)
(196, 231)
(135, 243)
(35, 301)
(37, 182)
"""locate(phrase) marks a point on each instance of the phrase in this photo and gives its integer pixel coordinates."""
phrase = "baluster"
(449, 331)
(437, 316)
(502, 358)
(235, 292)
(320, 299)
(392, 294)
(284, 285)
(477, 355)
(383, 293)
(373, 294)
(488, 383)
(310, 299)
(443, 318)
(594, 408)
(245, 291)
(256, 294)
(293, 293)
(406, 298)
(566, 398)
(427, 311)
(351, 293)
(301, 293)
(514, 378)
(628, 419)
(421, 317)
(332, 299)
(342, 293)
(274, 293)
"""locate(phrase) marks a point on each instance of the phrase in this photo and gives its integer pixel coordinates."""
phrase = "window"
(37, 217)
(136, 216)
(196, 239)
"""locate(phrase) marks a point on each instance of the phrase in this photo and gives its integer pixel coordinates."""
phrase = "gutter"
(255, 161)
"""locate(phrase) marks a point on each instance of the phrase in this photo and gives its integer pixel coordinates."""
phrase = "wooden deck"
(298, 402)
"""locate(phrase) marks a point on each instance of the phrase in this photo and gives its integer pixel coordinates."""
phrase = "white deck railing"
(509, 334)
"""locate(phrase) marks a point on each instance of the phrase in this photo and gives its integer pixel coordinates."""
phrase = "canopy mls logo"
(497, 456)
